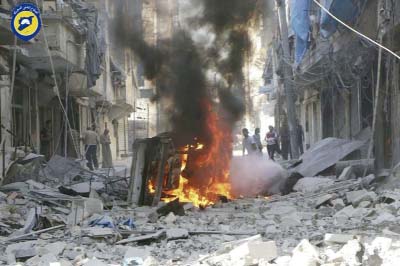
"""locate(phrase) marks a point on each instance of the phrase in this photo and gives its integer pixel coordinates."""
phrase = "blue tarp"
(328, 25)
(300, 21)
(345, 10)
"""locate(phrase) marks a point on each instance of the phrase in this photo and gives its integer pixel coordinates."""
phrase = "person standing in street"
(300, 136)
(249, 144)
(257, 139)
(45, 140)
(105, 142)
(285, 141)
(272, 143)
(90, 140)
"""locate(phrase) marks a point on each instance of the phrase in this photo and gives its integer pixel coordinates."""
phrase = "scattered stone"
(170, 218)
(94, 262)
(364, 204)
(351, 253)
(55, 248)
(338, 204)
(23, 254)
(85, 187)
(347, 173)
(355, 197)
(305, 254)
(379, 246)
(337, 238)
(384, 217)
(136, 256)
(262, 250)
(323, 199)
(312, 184)
(346, 212)
(177, 233)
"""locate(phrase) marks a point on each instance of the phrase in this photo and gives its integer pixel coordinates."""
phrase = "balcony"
(77, 86)
(65, 44)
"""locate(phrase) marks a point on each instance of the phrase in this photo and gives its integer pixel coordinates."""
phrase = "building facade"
(337, 73)
(71, 76)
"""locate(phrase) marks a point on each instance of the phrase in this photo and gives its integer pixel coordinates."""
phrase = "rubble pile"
(327, 221)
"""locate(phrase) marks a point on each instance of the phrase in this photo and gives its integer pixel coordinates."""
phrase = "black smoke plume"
(177, 66)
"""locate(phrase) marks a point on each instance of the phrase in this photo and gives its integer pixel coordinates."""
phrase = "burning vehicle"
(195, 172)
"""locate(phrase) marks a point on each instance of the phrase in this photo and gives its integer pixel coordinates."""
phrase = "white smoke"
(256, 176)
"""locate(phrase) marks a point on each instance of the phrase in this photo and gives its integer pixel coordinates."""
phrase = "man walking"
(249, 144)
(300, 136)
(90, 140)
(45, 140)
(257, 139)
(272, 143)
(285, 141)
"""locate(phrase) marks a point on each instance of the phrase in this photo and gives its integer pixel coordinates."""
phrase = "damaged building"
(185, 177)
(337, 74)
(72, 75)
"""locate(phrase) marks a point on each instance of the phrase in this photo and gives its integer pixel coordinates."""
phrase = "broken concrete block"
(151, 261)
(95, 262)
(262, 250)
(338, 204)
(177, 234)
(135, 256)
(337, 238)
(251, 252)
(380, 246)
(20, 247)
(99, 232)
(368, 180)
(55, 248)
(170, 218)
(346, 212)
(153, 217)
(23, 254)
(355, 197)
(46, 260)
(347, 173)
(312, 184)
(87, 186)
(81, 210)
(384, 217)
(290, 221)
(364, 204)
(323, 199)
(351, 253)
(305, 254)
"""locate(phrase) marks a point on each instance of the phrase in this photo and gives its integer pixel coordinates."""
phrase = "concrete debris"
(337, 238)
(324, 154)
(356, 197)
(312, 184)
(305, 254)
(173, 234)
(347, 173)
(327, 222)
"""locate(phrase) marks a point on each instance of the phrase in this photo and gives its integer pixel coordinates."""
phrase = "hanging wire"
(355, 31)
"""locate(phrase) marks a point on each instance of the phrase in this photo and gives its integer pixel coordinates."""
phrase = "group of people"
(91, 141)
(275, 143)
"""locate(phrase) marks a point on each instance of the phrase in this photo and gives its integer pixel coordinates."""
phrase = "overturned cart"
(156, 168)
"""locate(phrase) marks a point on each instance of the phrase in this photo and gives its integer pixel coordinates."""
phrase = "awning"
(117, 111)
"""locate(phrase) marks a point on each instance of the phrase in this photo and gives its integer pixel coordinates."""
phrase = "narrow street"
(199, 132)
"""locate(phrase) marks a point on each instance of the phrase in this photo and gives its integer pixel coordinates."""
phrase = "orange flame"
(211, 166)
